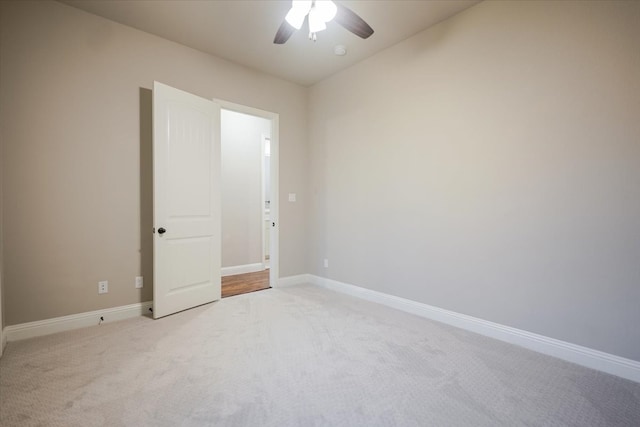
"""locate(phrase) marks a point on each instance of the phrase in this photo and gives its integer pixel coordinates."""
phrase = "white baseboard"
(594, 359)
(241, 269)
(74, 321)
(295, 280)
(3, 340)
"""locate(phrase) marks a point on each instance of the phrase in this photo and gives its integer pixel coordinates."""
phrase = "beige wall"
(241, 187)
(2, 341)
(2, 322)
(491, 166)
(76, 129)
(1, 209)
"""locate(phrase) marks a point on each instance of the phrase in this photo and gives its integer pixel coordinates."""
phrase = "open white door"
(186, 194)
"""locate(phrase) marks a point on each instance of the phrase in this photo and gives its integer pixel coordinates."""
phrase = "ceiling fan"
(319, 12)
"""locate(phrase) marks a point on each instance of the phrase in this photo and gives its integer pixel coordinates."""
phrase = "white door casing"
(186, 194)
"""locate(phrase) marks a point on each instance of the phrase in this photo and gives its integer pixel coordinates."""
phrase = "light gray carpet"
(300, 356)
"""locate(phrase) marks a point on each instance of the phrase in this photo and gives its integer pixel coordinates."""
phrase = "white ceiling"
(243, 31)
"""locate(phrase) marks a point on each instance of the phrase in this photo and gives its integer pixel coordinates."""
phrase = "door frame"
(263, 143)
(274, 241)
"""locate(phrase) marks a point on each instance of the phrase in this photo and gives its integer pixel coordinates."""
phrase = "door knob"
(161, 230)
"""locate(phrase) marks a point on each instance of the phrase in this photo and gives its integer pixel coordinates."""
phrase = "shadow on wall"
(146, 190)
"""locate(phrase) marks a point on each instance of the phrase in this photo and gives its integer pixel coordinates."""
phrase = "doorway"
(249, 257)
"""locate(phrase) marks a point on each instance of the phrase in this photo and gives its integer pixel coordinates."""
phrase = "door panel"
(188, 163)
(189, 262)
(186, 154)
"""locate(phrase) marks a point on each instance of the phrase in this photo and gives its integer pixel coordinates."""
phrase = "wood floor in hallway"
(244, 283)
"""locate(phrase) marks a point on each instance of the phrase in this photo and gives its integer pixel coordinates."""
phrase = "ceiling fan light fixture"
(315, 21)
(295, 17)
(326, 9)
(297, 13)
(320, 12)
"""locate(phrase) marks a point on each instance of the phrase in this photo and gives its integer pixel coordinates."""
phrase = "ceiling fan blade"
(284, 32)
(352, 22)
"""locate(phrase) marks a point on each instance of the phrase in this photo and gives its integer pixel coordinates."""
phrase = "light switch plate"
(292, 197)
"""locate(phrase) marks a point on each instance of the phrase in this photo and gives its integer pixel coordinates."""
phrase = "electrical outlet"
(326, 263)
(139, 282)
(103, 287)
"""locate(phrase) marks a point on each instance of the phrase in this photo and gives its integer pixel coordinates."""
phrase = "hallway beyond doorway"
(245, 283)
